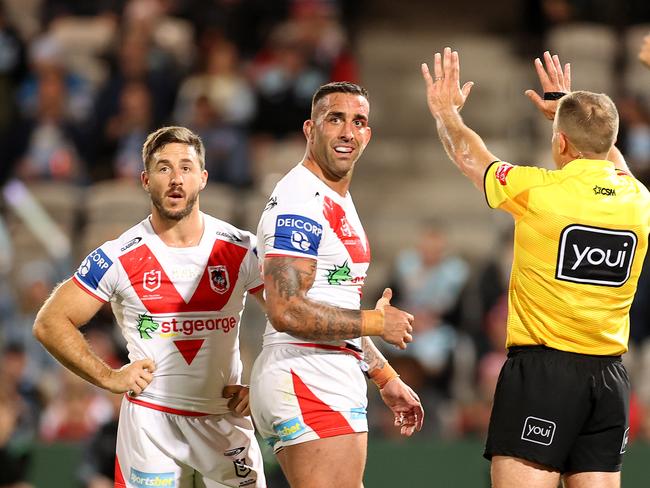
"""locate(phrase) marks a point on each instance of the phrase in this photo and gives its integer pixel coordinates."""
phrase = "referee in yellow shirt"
(581, 234)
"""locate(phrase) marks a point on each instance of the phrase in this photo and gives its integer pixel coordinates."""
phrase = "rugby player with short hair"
(176, 283)
(308, 392)
(581, 233)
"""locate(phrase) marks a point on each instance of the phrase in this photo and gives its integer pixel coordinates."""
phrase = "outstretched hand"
(405, 405)
(443, 89)
(552, 78)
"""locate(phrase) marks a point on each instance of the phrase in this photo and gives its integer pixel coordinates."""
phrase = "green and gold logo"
(145, 325)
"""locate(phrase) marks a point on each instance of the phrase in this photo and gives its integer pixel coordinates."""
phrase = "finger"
(437, 66)
(385, 298)
(147, 376)
(542, 75)
(141, 383)
(536, 99)
(550, 69)
(409, 317)
(409, 328)
(455, 69)
(567, 76)
(230, 390)
(243, 406)
(467, 87)
(428, 81)
(401, 345)
(408, 338)
(446, 65)
(558, 70)
(147, 364)
(135, 390)
(387, 294)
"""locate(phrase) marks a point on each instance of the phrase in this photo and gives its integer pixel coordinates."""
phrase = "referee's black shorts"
(564, 410)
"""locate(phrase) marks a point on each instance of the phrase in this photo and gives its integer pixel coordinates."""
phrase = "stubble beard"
(175, 215)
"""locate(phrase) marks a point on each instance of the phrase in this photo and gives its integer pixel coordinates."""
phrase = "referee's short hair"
(589, 120)
(168, 135)
(337, 87)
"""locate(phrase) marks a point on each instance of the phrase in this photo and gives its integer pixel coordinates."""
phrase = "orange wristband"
(372, 322)
(382, 375)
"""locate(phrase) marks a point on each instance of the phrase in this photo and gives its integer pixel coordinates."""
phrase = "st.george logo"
(151, 280)
(595, 256)
(219, 280)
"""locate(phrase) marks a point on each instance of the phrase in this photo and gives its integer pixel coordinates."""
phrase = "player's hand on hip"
(398, 326)
(133, 377)
(443, 88)
(644, 53)
(238, 395)
(553, 78)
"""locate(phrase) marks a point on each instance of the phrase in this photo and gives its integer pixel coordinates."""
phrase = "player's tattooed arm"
(371, 355)
(287, 281)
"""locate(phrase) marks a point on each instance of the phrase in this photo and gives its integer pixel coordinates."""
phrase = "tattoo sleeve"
(371, 355)
(287, 281)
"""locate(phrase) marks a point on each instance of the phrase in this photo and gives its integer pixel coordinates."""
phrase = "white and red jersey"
(305, 218)
(180, 307)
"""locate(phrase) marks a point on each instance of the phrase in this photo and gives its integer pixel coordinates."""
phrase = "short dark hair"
(338, 87)
(167, 135)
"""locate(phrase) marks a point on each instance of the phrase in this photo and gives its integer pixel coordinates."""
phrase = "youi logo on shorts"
(297, 233)
(595, 256)
(539, 431)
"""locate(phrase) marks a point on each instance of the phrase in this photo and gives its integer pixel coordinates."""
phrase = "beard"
(175, 215)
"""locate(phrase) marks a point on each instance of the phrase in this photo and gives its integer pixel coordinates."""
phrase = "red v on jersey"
(159, 295)
(189, 348)
(338, 221)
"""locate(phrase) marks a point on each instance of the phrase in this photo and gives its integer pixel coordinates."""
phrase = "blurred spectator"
(284, 82)
(227, 155)
(634, 135)
(126, 131)
(223, 84)
(98, 466)
(48, 145)
(76, 411)
(15, 449)
(12, 67)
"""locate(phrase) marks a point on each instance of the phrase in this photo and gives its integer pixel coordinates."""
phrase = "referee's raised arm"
(446, 98)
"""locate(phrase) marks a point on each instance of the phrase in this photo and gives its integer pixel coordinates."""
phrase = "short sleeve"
(507, 186)
(97, 275)
(250, 267)
(293, 231)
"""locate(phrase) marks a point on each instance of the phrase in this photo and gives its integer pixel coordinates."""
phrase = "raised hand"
(405, 405)
(553, 79)
(133, 377)
(443, 89)
(238, 395)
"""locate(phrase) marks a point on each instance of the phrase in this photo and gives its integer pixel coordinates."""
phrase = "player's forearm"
(64, 341)
(463, 146)
(371, 355)
(311, 320)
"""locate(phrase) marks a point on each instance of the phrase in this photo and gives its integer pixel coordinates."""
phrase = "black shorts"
(564, 410)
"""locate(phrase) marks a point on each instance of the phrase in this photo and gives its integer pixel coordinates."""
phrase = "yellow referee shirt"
(581, 235)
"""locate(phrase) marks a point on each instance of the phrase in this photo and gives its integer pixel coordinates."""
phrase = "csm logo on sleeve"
(93, 268)
(595, 256)
(297, 233)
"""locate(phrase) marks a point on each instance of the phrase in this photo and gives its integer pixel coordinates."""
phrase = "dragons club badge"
(219, 280)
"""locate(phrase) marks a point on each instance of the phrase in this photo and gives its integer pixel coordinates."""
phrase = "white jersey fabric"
(305, 218)
(180, 307)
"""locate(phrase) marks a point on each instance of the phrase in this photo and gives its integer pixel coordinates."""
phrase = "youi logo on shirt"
(297, 233)
(595, 256)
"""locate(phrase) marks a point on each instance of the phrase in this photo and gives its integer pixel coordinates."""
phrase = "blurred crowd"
(83, 83)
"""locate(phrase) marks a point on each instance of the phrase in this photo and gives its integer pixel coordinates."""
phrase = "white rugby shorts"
(162, 449)
(302, 393)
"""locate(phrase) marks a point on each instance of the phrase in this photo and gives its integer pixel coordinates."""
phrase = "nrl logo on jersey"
(145, 325)
(219, 281)
(151, 280)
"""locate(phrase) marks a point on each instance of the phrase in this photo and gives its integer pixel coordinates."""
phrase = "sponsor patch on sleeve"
(93, 268)
(297, 233)
(502, 172)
